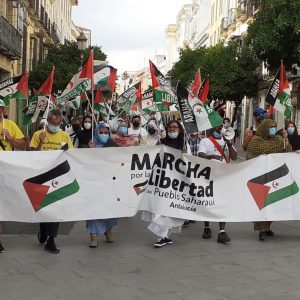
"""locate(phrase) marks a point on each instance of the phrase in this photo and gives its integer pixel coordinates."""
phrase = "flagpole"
(27, 126)
(47, 111)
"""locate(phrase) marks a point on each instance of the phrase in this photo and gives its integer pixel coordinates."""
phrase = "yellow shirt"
(13, 131)
(52, 141)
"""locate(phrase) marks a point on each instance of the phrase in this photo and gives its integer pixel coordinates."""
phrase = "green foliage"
(67, 61)
(275, 33)
(231, 70)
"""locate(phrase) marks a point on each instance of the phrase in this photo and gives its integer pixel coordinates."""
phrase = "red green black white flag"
(51, 186)
(272, 186)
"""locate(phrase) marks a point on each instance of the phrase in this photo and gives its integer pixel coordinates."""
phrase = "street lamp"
(81, 44)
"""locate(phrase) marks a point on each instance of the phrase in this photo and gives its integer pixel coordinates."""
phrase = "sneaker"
(51, 248)
(108, 236)
(186, 223)
(1, 248)
(93, 244)
(42, 239)
(206, 233)
(168, 241)
(269, 232)
(223, 237)
(160, 243)
(262, 235)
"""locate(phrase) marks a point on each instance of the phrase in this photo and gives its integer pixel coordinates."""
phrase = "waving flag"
(39, 103)
(195, 115)
(195, 85)
(131, 97)
(14, 87)
(148, 105)
(51, 186)
(101, 106)
(163, 94)
(272, 186)
(204, 90)
(105, 78)
(279, 94)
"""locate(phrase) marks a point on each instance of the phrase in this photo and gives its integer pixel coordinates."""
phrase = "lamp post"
(81, 44)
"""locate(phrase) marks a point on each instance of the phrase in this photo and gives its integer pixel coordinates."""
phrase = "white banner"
(83, 184)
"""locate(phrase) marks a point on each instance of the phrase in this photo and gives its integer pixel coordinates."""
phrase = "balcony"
(55, 33)
(232, 16)
(10, 40)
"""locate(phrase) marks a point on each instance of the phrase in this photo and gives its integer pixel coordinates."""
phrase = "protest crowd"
(102, 125)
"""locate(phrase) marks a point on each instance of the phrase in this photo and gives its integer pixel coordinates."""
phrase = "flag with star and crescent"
(272, 186)
(51, 186)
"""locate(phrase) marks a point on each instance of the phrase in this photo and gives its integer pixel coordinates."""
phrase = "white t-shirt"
(208, 148)
(138, 132)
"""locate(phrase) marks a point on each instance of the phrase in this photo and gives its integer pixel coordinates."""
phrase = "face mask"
(217, 135)
(173, 135)
(103, 138)
(226, 125)
(76, 127)
(123, 131)
(87, 126)
(272, 131)
(151, 130)
(53, 128)
(136, 124)
(290, 130)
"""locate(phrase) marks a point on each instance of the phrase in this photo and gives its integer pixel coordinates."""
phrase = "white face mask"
(87, 125)
(173, 135)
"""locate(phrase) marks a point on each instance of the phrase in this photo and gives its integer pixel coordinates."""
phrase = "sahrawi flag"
(14, 87)
(273, 186)
(195, 85)
(139, 188)
(279, 94)
(51, 186)
(195, 115)
(131, 98)
(163, 94)
(38, 104)
(105, 78)
(102, 107)
(148, 105)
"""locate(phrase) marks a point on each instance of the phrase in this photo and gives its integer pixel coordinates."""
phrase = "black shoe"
(168, 241)
(186, 223)
(206, 233)
(42, 239)
(1, 248)
(51, 248)
(160, 243)
(223, 237)
(269, 232)
(262, 235)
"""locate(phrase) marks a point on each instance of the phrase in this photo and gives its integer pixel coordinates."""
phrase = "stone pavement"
(130, 268)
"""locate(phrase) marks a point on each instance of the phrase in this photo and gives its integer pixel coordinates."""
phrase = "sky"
(130, 32)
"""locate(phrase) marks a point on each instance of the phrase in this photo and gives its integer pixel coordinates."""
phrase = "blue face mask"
(217, 135)
(123, 130)
(272, 131)
(103, 138)
(173, 135)
(53, 128)
(290, 130)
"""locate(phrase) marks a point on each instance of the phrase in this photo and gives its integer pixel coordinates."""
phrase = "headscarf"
(177, 143)
(263, 143)
(97, 140)
(84, 135)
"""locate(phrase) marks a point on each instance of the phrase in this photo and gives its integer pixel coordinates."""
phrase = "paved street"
(130, 268)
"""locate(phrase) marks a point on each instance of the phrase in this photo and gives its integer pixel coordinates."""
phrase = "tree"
(232, 70)
(67, 62)
(275, 33)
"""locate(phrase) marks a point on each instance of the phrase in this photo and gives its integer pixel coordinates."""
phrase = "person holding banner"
(11, 137)
(85, 134)
(74, 129)
(163, 226)
(50, 138)
(259, 114)
(293, 136)
(153, 135)
(122, 138)
(267, 141)
(102, 139)
(136, 129)
(218, 148)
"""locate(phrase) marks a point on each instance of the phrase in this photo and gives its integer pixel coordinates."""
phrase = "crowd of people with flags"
(199, 131)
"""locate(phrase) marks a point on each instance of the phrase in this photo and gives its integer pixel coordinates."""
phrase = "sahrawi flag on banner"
(273, 186)
(15, 87)
(279, 94)
(38, 104)
(131, 98)
(163, 94)
(195, 115)
(51, 186)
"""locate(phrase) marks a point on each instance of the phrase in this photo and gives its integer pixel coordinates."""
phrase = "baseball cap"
(259, 112)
